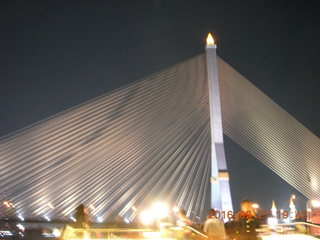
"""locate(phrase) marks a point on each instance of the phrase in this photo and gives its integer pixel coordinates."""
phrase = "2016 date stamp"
(230, 215)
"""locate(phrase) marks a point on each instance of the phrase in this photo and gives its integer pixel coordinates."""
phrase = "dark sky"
(57, 54)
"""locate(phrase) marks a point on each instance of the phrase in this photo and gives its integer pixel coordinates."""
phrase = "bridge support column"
(220, 189)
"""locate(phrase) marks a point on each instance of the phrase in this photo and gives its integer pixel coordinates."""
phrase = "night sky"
(57, 54)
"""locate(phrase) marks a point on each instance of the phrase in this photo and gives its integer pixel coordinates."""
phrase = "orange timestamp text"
(230, 215)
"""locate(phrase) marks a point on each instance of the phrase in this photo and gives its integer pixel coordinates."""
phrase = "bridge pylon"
(220, 188)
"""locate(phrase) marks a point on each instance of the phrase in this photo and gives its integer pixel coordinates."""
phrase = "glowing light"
(274, 209)
(100, 219)
(210, 40)
(293, 196)
(153, 235)
(20, 217)
(255, 205)
(292, 208)
(6, 233)
(21, 227)
(134, 208)
(147, 217)
(56, 232)
(47, 218)
(86, 235)
(272, 222)
(73, 219)
(126, 220)
(9, 204)
(160, 210)
(92, 207)
(176, 209)
(315, 203)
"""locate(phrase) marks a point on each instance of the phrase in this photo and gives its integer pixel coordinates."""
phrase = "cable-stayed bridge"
(150, 140)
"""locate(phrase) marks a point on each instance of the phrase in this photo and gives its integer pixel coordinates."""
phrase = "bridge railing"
(170, 233)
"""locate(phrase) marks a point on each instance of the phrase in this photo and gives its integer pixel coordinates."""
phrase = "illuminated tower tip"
(210, 40)
(274, 209)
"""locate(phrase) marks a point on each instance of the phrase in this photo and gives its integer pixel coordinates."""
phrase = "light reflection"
(50, 206)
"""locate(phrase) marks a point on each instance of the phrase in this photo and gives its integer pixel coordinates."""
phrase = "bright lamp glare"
(56, 232)
(255, 205)
(175, 209)
(160, 209)
(21, 227)
(315, 203)
(272, 222)
(146, 217)
(152, 235)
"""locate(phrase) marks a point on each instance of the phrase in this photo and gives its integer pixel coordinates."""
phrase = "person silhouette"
(81, 216)
(214, 227)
